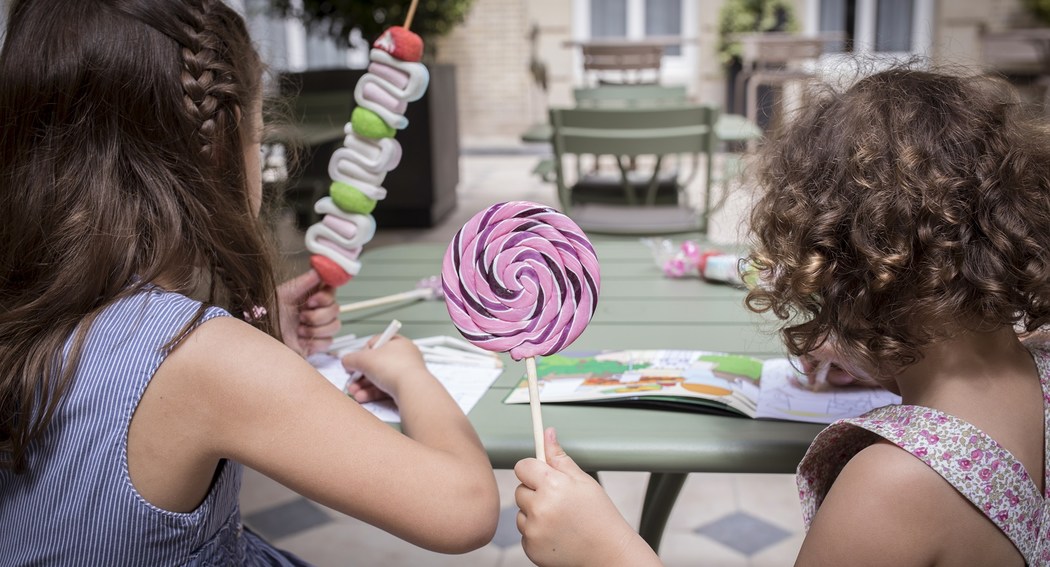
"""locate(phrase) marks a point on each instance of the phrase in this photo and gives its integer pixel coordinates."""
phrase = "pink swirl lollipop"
(521, 278)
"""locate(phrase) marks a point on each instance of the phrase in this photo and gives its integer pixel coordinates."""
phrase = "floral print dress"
(975, 464)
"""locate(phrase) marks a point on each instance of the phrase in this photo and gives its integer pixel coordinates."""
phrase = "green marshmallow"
(368, 124)
(350, 199)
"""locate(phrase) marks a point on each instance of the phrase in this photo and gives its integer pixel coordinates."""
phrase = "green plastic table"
(637, 308)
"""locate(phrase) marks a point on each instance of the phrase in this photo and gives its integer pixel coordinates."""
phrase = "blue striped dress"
(76, 505)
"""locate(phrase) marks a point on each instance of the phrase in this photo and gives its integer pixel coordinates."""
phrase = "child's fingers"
(300, 286)
(524, 496)
(556, 456)
(521, 520)
(840, 377)
(369, 394)
(325, 330)
(531, 472)
(315, 344)
(323, 297)
(364, 391)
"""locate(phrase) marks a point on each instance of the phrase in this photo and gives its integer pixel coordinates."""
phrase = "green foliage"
(1040, 9)
(747, 16)
(433, 18)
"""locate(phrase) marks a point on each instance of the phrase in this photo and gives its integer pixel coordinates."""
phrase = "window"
(893, 25)
(636, 19)
(874, 26)
(664, 18)
(286, 45)
(639, 19)
(608, 18)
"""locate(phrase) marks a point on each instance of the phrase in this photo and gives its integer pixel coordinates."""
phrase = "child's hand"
(385, 368)
(825, 366)
(566, 518)
(822, 372)
(309, 314)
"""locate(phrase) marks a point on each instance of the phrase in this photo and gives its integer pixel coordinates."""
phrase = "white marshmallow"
(374, 155)
(418, 76)
(344, 167)
(321, 239)
(389, 115)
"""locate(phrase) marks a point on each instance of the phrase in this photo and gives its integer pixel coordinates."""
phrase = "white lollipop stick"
(427, 288)
(387, 299)
(534, 405)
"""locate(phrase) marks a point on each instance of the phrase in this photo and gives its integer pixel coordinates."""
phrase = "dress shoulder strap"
(976, 465)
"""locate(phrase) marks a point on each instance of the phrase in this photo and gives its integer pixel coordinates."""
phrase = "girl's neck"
(966, 369)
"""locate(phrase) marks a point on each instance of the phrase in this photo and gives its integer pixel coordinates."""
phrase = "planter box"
(421, 191)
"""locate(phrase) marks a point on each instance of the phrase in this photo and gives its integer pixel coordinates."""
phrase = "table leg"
(660, 497)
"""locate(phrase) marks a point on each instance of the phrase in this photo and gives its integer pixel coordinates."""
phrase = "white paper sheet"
(465, 383)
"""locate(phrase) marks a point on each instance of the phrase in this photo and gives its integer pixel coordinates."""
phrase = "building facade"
(499, 96)
(507, 48)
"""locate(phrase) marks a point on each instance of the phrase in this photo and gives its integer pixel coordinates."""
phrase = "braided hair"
(122, 165)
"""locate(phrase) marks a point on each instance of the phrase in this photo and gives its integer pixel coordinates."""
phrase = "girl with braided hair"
(902, 234)
(141, 327)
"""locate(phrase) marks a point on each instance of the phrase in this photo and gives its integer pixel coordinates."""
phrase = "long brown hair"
(911, 207)
(121, 161)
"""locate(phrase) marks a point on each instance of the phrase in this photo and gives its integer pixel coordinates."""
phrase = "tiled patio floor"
(719, 519)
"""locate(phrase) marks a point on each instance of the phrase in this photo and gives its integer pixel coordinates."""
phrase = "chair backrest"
(685, 129)
(630, 96)
(625, 57)
(623, 63)
(779, 49)
(627, 133)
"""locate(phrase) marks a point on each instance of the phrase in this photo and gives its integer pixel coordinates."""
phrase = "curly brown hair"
(910, 207)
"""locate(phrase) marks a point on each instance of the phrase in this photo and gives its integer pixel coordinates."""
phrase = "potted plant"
(747, 16)
(1040, 9)
(433, 18)
(422, 190)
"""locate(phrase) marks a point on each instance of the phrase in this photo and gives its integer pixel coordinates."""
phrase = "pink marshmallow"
(389, 74)
(350, 254)
(376, 94)
(342, 227)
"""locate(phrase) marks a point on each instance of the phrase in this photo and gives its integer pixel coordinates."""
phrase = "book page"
(782, 397)
(670, 376)
(465, 383)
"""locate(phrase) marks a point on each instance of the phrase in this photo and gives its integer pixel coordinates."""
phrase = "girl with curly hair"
(902, 235)
(141, 356)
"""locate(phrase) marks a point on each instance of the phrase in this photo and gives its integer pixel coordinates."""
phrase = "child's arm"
(242, 395)
(566, 518)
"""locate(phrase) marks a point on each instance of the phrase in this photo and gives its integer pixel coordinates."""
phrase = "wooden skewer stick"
(411, 14)
(422, 293)
(534, 405)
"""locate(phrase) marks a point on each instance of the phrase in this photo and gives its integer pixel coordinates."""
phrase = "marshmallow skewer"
(521, 278)
(395, 77)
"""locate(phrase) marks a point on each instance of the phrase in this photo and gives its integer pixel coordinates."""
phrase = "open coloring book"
(700, 381)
